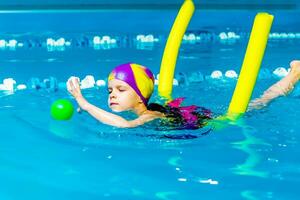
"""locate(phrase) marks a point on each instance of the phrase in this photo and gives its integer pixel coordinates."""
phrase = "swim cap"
(140, 79)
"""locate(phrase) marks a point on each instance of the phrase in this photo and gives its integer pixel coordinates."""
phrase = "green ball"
(62, 109)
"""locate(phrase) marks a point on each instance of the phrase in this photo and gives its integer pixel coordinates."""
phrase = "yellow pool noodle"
(251, 64)
(167, 68)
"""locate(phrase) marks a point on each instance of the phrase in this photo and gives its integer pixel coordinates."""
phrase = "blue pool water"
(82, 159)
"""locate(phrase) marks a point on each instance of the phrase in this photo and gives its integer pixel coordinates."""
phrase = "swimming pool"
(82, 159)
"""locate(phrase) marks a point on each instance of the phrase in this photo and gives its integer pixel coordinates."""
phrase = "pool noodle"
(166, 75)
(251, 64)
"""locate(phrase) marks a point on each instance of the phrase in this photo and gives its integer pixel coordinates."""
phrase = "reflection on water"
(249, 146)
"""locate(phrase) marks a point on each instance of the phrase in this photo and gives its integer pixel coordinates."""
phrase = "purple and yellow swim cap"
(140, 79)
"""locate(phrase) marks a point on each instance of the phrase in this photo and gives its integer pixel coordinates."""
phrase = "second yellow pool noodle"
(251, 64)
(168, 63)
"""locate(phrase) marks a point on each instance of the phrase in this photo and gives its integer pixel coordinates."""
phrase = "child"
(131, 85)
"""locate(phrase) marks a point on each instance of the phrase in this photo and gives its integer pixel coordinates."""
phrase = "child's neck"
(140, 109)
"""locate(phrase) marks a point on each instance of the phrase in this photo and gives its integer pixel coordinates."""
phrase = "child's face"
(121, 96)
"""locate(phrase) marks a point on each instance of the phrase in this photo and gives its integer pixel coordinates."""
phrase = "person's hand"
(73, 87)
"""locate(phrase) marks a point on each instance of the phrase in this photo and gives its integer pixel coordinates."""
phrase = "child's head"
(129, 85)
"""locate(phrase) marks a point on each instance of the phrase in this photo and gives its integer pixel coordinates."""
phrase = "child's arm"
(102, 115)
(110, 118)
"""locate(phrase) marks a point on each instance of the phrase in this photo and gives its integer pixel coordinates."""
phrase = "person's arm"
(280, 88)
(100, 114)
(110, 118)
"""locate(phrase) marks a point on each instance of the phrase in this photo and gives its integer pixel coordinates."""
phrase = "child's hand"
(73, 87)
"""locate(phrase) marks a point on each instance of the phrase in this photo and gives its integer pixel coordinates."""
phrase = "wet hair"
(175, 118)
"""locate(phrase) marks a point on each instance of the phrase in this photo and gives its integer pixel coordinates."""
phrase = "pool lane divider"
(168, 63)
